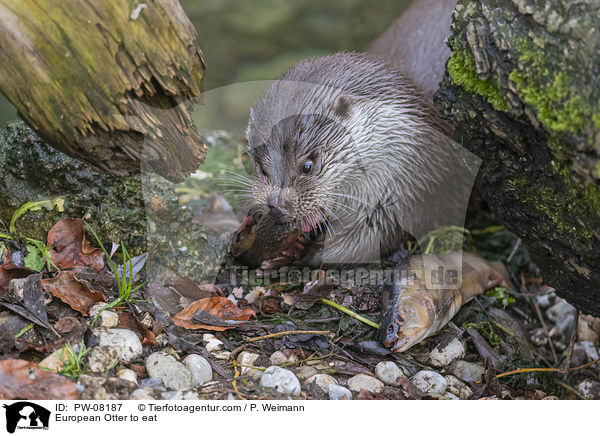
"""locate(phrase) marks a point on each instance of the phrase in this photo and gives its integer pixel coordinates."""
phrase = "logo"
(26, 415)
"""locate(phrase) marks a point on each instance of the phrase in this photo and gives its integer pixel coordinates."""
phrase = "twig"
(514, 251)
(572, 340)
(291, 332)
(351, 313)
(570, 389)
(322, 320)
(523, 370)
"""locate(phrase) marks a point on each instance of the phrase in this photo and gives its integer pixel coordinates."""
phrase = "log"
(106, 82)
(521, 88)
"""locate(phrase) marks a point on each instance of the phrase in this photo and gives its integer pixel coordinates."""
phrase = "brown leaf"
(129, 321)
(313, 291)
(220, 308)
(72, 249)
(9, 271)
(73, 292)
(368, 395)
(20, 379)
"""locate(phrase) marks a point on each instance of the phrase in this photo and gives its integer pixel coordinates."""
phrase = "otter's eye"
(307, 167)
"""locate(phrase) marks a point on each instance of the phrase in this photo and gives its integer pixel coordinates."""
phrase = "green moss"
(461, 69)
(558, 105)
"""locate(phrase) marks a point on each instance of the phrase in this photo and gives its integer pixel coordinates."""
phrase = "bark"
(521, 89)
(106, 82)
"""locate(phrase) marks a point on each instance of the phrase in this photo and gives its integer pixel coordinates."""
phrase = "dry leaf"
(9, 271)
(73, 292)
(131, 322)
(216, 310)
(71, 247)
(20, 379)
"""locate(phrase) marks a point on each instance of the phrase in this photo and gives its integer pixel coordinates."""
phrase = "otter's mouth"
(314, 224)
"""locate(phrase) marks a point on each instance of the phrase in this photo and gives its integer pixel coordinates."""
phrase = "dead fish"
(429, 292)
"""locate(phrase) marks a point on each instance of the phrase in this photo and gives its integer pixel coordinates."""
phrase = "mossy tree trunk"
(523, 92)
(106, 81)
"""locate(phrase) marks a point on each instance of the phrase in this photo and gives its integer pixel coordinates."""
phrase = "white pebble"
(388, 372)
(127, 374)
(321, 382)
(442, 357)
(366, 382)
(199, 367)
(430, 382)
(126, 343)
(337, 392)
(173, 374)
(282, 380)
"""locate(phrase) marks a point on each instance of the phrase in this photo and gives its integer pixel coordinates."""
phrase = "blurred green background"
(246, 40)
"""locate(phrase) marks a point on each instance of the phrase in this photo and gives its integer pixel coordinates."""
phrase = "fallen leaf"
(76, 294)
(20, 379)
(71, 248)
(217, 313)
(313, 291)
(9, 271)
(129, 321)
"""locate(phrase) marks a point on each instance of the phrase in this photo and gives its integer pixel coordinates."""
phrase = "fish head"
(407, 320)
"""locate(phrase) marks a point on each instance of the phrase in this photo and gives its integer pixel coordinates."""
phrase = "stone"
(282, 380)
(127, 374)
(246, 359)
(457, 387)
(16, 288)
(337, 392)
(430, 382)
(467, 371)
(450, 396)
(125, 342)
(180, 395)
(107, 318)
(305, 372)
(589, 389)
(320, 383)
(442, 356)
(102, 358)
(173, 374)
(53, 361)
(388, 372)
(563, 315)
(366, 382)
(199, 367)
(141, 394)
(280, 358)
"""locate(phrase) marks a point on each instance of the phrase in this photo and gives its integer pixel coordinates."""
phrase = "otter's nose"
(278, 206)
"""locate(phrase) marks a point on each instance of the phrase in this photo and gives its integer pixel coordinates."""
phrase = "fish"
(430, 290)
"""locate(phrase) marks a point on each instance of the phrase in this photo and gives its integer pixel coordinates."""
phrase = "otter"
(349, 149)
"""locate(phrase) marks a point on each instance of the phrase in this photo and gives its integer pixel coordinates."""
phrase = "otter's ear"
(342, 106)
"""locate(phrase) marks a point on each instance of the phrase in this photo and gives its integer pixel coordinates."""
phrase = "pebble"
(467, 371)
(173, 374)
(442, 357)
(279, 358)
(127, 374)
(107, 318)
(450, 396)
(563, 315)
(430, 382)
(212, 343)
(366, 382)
(245, 359)
(141, 394)
(589, 389)
(283, 380)
(180, 395)
(457, 387)
(388, 372)
(199, 367)
(16, 288)
(321, 382)
(305, 372)
(337, 392)
(53, 361)
(101, 358)
(125, 342)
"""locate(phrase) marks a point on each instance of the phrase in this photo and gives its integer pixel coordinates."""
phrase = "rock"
(563, 315)
(450, 396)
(589, 389)
(102, 358)
(142, 394)
(588, 328)
(152, 383)
(337, 392)
(212, 343)
(442, 356)
(280, 358)
(16, 288)
(173, 374)
(430, 382)
(283, 380)
(107, 318)
(125, 342)
(366, 382)
(467, 371)
(199, 367)
(246, 359)
(127, 374)
(102, 388)
(53, 361)
(320, 383)
(388, 372)
(180, 395)
(305, 372)
(458, 388)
